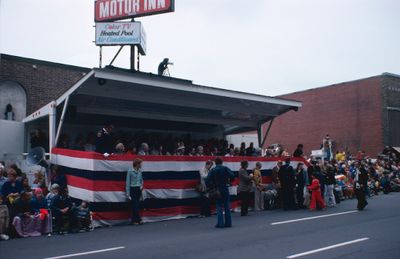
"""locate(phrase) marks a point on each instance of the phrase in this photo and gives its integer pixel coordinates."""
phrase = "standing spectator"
(12, 188)
(205, 209)
(327, 147)
(259, 187)
(301, 180)
(245, 187)
(56, 176)
(134, 187)
(221, 176)
(104, 140)
(9, 114)
(316, 197)
(276, 182)
(299, 151)
(286, 177)
(360, 184)
(330, 182)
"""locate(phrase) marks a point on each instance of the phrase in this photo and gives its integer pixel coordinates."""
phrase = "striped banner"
(169, 183)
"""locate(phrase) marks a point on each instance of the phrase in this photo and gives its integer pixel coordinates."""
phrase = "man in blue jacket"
(221, 176)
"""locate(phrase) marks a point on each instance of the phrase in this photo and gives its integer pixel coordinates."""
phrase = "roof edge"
(43, 62)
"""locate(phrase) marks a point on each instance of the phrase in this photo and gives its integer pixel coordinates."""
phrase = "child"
(316, 197)
(82, 213)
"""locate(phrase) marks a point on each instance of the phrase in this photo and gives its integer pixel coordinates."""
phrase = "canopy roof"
(134, 98)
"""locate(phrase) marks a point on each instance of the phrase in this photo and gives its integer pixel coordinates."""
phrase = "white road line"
(87, 253)
(315, 217)
(327, 248)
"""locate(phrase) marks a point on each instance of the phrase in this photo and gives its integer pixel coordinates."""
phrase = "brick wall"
(350, 112)
(43, 81)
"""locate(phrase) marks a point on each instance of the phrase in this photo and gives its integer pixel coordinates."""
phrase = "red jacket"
(315, 186)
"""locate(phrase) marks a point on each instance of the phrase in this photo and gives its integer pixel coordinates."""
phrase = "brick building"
(358, 115)
(33, 82)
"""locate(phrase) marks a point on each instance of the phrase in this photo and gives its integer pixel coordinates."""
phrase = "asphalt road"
(344, 233)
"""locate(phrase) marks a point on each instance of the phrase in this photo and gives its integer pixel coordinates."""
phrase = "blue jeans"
(225, 202)
(135, 193)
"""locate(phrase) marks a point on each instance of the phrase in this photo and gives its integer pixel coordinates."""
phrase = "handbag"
(213, 191)
(201, 188)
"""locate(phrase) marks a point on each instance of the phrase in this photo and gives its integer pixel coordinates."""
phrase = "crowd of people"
(326, 181)
(37, 209)
(28, 210)
(106, 141)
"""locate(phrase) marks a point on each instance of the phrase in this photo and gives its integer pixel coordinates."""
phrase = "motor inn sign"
(111, 10)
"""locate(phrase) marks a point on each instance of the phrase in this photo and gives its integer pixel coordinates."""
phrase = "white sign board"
(121, 33)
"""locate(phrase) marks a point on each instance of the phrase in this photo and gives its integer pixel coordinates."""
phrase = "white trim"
(126, 77)
(328, 248)
(42, 112)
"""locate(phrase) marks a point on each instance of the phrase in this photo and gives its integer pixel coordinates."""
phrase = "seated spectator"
(41, 207)
(18, 171)
(25, 184)
(62, 209)
(285, 153)
(3, 176)
(119, 149)
(82, 213)
(54, 191)
(90, 142)
(38, 201)
(242, 150)
(79, 143)
(200, 151)
(180, 151)
(231, 152)
(64, 141)
(38, 181)
(26, 222)
(4, 219)
(192, 152)
(144, 149)
(12, 188)
(250, 151)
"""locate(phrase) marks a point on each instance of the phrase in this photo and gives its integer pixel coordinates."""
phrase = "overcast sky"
(269, 47)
